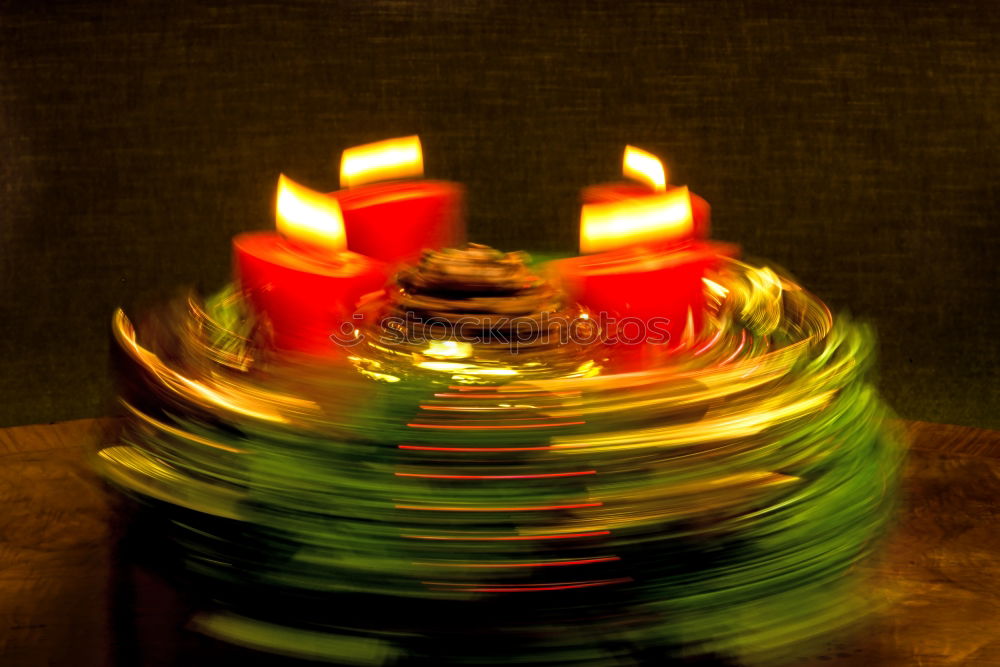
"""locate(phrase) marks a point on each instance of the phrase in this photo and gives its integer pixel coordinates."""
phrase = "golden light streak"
(167, 428)
(715, 287)
(448, 349)
(309, 217)
(382, 161)
(726, 427)
(133, 468)
(645, 167)
(465, 369)
(236, 402)
(610, 225)
(688, 336)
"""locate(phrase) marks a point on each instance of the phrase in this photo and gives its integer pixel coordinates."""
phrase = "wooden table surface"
(67, 596)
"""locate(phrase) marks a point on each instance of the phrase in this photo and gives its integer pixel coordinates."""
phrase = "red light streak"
(739, 348)
(507, 538)
(538, 508)
(519, 394)
(708, 344)
(428, 448)
(535, 476)
(480, 420)
(504, 426)
(557, 563)
(539, 587)
(487, 408)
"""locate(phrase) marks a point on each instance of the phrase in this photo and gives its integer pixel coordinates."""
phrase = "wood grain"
(62, 576)
(56, 539)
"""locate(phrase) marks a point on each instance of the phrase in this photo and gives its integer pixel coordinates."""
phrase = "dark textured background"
(854, 145)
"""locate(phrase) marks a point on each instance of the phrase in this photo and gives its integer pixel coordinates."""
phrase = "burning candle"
(301, 280)
(652, 178)
(394, 221)
(643, 269)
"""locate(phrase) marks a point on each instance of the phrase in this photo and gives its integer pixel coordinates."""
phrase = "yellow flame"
(309, 217)
(645, 167)
(661, 217)
(381, 161)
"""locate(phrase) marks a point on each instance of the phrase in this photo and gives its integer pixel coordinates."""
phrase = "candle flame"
(309, 217)
(645, 167)
(381, 161)
(660, 217)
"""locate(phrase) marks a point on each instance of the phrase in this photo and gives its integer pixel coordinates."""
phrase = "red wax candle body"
(701, 212)
(636, 283)
(394, 222)
(304, 297)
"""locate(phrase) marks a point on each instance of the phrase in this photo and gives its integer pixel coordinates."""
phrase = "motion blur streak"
(382, 507)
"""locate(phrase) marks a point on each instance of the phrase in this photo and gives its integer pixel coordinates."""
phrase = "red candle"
(393, 222)
(648, 295)
(645, 273)
(303, 283)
